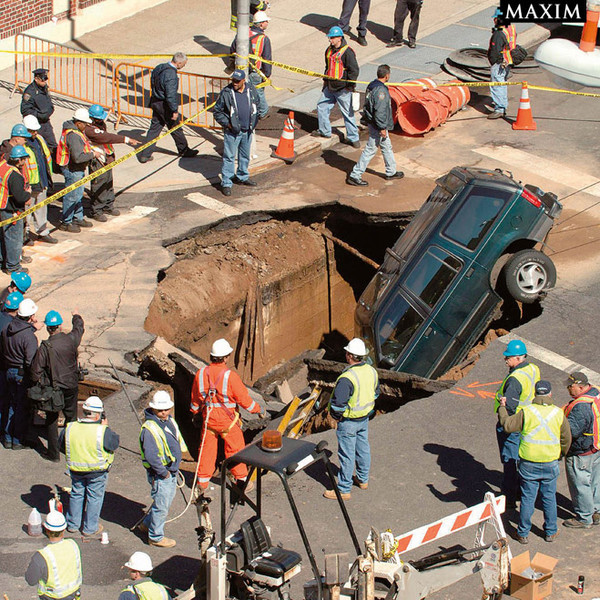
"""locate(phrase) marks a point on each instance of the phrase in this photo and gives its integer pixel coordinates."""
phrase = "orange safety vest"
(62, 152)
(5, 171)
(335, 66)
(257, 43)
(595, 402)
(511, 37)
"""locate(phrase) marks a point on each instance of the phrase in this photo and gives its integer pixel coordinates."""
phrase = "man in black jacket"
(403, 8)
(164, 103)
(236, 110)
(38, 102)
(377, 114)
(18, 345)
(340, 64)
(61, 369)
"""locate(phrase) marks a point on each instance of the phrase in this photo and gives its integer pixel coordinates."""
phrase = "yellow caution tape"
(99, 172)
(109, 56)
(559, 91)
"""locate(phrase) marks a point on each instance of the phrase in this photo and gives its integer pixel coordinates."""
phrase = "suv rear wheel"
(527, 274)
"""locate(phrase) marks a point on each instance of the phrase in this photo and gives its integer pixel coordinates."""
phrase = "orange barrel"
(420, 115)
(406, 92)
(458, 95)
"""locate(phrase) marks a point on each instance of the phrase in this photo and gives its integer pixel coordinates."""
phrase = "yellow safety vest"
(257, 43)
(5, 171)
(62, 152)
(540, 436)
(511, 37)
(335, 66)
(32, 166)
(164, 452)
(364, 381)
(84, 447)
(527, 376)
(148, 590)
(63, 560)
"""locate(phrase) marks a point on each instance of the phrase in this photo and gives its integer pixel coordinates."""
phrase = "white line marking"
(212, 204)
(540, 166)
(136, 213)
(46, 252)
(551, 358)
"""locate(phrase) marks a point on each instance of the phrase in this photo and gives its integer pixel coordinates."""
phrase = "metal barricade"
(132, 93)
(86, 79)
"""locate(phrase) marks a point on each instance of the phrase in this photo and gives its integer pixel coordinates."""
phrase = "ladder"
(297, 413)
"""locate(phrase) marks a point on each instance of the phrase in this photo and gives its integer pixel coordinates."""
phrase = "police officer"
(142, 587)
(162, 446)
(545, 436)
(37, 101)
(352, 403)
(39, 166)
(518, 388)
(164, 103)
(56, 569)
(14, 197)
(90, 450)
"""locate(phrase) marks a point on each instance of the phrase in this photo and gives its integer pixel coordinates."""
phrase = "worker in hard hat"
(19, 282)
(341, 68)
(56, 569)
(89, 446)
(162, 445)
(18, 137)
(74, 154)
(57, 360)
(217, 392)
(102, 192)
(352, 404)
(18, 345)
(15, 196)
(518, 387)
(142, 587)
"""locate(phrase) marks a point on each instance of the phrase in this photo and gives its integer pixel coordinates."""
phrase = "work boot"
(70, 227)
(99, 530)
(354, 144)
(551, 538)
(317, 133)
(361, 485)
(497, 114)
(47, 239)
(412, 44)
(576, 524)
(143, 528)
(396, 175)
(393, 43)
(164, 543)
(362, 40)
(596, 519)
(84, 223)
(249, 182)
(358, 182)
(145, 159)
(26, 259)
(226, 191)
(113, 212)
(522, 540)
(101, 217)
(330, 495)
(188, 153)
(240, 483)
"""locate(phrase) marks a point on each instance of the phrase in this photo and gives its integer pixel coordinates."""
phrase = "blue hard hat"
(515, 348)
(53, 319)
(18, 152)
(20, 130)
(21, 280)
(13, 300)
(498, 13)
(335, 31)
(97, 112)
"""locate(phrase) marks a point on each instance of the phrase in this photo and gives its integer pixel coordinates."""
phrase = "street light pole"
(243, 38)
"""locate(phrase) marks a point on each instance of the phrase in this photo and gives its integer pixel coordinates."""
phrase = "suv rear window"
(432, 275)
(400, 325)
(476, 215)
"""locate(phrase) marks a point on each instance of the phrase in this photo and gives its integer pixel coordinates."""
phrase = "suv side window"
(432, 275)
(401, 322)
(476, 215)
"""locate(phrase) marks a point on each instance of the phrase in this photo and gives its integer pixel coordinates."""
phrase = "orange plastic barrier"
(132, 93)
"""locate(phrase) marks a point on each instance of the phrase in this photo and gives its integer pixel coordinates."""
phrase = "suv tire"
(528, 274)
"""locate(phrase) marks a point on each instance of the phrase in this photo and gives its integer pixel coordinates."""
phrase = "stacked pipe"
(420, 106)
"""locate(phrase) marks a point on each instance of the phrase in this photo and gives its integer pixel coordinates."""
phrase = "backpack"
(518, 55)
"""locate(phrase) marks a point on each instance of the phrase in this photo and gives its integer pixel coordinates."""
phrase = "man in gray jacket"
(377, 114)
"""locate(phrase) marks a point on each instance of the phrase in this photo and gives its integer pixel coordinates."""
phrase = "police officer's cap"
(542, 388)
(40, 72)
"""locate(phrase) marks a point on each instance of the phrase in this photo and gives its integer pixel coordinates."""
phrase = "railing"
(86, 79)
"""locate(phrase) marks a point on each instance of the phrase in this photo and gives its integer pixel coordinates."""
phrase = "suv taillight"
(531, 198)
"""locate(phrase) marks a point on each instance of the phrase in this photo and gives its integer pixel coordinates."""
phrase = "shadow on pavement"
(38, 497)
(382, 32)
(121, 511)
(320, 22)
(177, 572)
(213, 47)
(337, 161)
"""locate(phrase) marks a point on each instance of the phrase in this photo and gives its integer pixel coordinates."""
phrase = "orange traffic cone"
(524, 116)
(285, 149)
(590, 29)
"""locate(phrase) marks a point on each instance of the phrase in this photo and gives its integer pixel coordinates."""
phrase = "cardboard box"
(524, 587)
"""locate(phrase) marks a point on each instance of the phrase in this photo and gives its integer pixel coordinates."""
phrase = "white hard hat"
(161, 401)
(55, 521)
(31, 122)
(139, 561)
(357, 347)
(93, 404)
(82, 114)
(221, 348)
(261, 16)
(27, 308)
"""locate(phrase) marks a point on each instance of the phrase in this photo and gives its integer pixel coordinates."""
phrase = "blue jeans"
(538, 477)
(12, 243)
(73, 201)
(325, 105)
(508, 444)
(583, 477)
(16, 425)
(375, 141)
(263, 107)
(235, 146)
(162, 492)
(499, 93)
(353, 450)
(88, 489)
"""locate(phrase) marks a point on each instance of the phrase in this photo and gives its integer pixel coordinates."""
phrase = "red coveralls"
(223, 418)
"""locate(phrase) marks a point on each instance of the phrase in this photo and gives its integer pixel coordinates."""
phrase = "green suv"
(437, 289)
